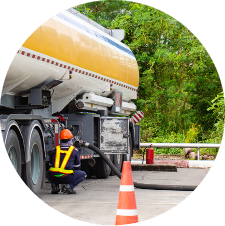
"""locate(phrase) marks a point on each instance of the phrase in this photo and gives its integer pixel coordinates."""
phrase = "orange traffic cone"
(126, 209)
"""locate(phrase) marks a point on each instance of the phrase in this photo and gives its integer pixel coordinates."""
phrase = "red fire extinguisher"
(150, 156)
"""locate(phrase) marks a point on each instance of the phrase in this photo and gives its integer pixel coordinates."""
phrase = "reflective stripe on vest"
(64, 162)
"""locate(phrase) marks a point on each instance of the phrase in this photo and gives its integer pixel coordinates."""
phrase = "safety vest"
(64, 162)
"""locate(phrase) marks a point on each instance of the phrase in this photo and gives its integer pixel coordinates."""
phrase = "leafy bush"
(167, 138)
(192, 134)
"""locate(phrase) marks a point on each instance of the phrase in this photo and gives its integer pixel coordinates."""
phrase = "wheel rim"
(13, 157)
(35, 164)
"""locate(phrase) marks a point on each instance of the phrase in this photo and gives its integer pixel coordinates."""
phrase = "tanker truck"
(70, 73)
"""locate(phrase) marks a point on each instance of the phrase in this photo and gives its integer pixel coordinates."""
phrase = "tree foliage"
(218, 109)
(178, 79)
(103, 12)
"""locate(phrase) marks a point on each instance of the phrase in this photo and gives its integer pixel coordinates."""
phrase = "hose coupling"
(86, 144)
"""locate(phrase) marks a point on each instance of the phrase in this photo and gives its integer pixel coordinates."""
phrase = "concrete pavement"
(96, 199)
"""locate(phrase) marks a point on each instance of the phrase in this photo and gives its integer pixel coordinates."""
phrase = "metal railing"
(180, 145)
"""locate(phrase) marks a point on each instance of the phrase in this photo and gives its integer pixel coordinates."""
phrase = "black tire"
(34, 168)
(127, 157)
(118, 161)
(86, 168)
(14, 151)
(101, 169)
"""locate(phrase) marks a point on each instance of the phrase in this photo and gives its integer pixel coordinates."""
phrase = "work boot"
(67, 189)
(55, 189)
(62, 187)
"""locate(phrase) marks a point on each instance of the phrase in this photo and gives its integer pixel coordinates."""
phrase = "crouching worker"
(65, 165)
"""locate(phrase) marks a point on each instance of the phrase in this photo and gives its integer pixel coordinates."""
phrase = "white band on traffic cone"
(122, 212)
(126, 187)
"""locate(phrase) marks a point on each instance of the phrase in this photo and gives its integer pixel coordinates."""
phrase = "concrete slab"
(96, 199)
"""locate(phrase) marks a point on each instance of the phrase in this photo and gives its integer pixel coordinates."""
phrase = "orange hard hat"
(65, 134)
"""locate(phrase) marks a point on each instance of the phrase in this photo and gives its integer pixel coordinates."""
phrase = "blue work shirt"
(73, 162)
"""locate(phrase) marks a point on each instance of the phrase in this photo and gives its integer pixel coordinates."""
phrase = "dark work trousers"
(72, 179)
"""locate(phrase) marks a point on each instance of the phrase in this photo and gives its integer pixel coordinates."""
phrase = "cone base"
(121, 220)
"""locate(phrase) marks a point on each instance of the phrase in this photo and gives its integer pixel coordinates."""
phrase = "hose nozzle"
(85, 144)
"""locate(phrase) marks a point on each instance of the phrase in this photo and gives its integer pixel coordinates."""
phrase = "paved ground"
(96, 200)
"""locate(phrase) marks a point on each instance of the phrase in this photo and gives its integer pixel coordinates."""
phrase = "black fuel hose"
(139, 185)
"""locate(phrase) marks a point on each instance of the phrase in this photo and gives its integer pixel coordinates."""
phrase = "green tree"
(103, 12)
(177, 76)
(218, 109)
(178, 79)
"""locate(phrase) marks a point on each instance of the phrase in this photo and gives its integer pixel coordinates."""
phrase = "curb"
(178, 163)
(153, 167)
(201, 164)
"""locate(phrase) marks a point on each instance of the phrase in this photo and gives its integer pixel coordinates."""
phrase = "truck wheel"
(14, 151)
(86, 168)
(101, 169)
(34, 168)
(118, 160)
